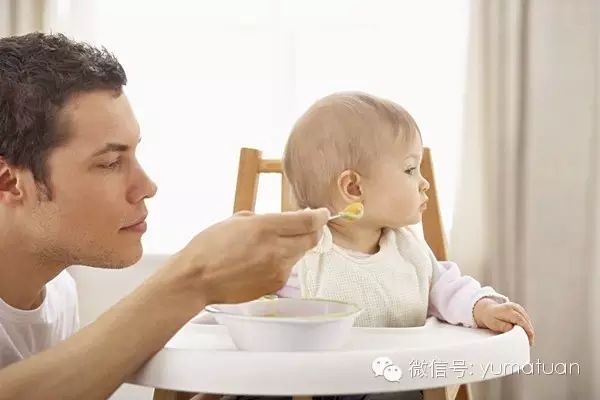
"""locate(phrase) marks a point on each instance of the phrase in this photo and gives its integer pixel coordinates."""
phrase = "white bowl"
(287, 324)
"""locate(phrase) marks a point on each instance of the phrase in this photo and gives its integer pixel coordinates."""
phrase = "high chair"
(252, 164)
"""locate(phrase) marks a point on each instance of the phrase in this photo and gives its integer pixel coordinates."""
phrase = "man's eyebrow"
(109, 147)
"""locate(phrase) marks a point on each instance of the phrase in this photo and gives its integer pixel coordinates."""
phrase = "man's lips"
(137, 225)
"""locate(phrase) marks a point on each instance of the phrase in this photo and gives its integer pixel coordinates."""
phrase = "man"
(73, 192)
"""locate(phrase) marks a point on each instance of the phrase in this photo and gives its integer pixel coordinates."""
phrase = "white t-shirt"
(24, 333)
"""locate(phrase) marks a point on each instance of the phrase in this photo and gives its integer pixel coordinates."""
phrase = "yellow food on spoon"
(352, 212)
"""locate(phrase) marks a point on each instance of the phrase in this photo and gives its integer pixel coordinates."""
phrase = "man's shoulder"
(25, 333)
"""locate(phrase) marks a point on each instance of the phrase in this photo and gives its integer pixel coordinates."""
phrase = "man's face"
(96, 212)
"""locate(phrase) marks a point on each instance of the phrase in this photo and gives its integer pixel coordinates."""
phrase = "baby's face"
(394, 193)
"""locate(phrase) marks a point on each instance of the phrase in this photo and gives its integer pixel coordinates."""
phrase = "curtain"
(527, 218)
(21, 16)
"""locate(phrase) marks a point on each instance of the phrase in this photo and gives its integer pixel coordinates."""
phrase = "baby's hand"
(502, 317)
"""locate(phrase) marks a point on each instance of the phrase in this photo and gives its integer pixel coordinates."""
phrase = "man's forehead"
(94, 118)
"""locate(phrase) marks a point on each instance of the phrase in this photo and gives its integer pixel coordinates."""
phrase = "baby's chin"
(404, 223)
(417, 219)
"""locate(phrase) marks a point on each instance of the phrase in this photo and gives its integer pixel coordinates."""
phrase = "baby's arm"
(453, 296)
(461, 300)
(292, 287)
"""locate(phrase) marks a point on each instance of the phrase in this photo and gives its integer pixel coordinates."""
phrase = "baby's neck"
(362, 239)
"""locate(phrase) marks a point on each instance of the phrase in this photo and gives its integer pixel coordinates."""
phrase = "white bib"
(392, 286)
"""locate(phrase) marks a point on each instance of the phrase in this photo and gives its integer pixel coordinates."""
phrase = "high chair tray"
(202, 358)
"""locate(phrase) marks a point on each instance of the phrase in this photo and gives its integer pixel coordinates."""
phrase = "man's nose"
(152, 188)
(142, 188)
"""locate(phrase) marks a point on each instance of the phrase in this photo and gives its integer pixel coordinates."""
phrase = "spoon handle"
(338, 215)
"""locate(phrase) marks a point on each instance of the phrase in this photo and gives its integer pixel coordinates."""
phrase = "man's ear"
(10, 183)
(349, 186)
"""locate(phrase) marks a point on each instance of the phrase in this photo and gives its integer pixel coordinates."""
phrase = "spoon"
(352, 212)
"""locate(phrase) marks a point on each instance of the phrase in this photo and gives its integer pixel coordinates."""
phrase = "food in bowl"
(287, 324)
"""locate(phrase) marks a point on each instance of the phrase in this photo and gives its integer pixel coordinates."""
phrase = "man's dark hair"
(38, 74)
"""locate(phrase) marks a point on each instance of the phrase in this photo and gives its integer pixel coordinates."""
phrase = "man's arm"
(236, 260)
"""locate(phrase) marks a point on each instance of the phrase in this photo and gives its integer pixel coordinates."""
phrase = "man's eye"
(411, 171)
(113, 165)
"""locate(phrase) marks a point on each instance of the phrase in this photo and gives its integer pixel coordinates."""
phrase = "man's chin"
(115, 260)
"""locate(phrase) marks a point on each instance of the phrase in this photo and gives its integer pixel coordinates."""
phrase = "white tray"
(202, 358)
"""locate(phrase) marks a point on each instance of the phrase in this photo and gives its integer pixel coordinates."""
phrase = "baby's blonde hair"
(343, 131)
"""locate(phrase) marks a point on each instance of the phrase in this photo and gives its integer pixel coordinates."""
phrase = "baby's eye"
(411, 171)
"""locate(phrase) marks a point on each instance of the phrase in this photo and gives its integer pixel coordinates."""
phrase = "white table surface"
(202, 358)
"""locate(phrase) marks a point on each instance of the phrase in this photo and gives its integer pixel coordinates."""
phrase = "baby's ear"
(349, 186)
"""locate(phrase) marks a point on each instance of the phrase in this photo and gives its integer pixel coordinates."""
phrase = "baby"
(354, 147)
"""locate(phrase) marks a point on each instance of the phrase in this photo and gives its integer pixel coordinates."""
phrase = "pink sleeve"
(452, 296)
(292, 286)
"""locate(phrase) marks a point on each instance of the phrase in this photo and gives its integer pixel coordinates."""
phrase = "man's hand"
(502, 317)
(247, 255)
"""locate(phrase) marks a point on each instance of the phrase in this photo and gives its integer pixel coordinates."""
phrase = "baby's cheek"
(401, 212)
